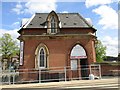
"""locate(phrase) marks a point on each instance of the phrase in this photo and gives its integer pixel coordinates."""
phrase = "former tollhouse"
(50, 40)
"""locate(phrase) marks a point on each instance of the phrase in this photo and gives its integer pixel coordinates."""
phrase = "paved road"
(104, 84)
(64, 89)
(97, 87)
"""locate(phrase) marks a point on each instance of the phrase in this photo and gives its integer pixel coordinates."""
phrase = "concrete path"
(113, 82)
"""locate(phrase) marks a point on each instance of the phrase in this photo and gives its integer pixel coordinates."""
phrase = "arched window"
(42, 58)
(77, 53)
(53, 25)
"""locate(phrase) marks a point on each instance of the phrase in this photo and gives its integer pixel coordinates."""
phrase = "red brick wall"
(106, 69)
(59, 49)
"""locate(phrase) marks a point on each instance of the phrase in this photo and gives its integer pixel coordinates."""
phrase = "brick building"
(50, 40)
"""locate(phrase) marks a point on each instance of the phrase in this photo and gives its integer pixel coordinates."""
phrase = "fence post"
(79, 72)
(65, 73)
(14, 77)
(1, 78)
(39, 75)
(100, 71)
(9, 77)
(90, 70)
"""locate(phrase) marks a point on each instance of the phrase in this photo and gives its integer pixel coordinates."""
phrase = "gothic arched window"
(53, 22)
(42, 58)
(53, 25)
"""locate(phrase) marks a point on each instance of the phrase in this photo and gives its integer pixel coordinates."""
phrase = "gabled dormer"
(52, 23)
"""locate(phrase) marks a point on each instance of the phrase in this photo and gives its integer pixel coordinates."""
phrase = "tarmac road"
(98, 87)
(102, 88)
(103, 84)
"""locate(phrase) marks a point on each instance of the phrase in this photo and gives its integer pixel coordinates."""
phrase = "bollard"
(91, 77)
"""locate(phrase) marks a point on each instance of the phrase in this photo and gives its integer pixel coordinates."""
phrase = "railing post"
(100, 71)
(0, 81)
(90, 70)
(65, 73)
(9, 76)
(79, 71)
(39, 75)
(14, 77)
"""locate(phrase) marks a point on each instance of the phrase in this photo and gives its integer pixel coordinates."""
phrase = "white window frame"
(45, 58)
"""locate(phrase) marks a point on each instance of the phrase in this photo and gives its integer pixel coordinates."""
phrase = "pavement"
(101, 84)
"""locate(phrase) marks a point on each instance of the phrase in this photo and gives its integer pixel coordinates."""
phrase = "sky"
(102, 13)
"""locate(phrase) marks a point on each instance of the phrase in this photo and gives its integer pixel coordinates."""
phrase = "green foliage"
(8, 46)
(100, 52)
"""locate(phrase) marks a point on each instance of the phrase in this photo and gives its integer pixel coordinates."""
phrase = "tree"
(8, 47)
(100, 52)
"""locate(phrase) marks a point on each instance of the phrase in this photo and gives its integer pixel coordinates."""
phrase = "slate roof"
(67, 20)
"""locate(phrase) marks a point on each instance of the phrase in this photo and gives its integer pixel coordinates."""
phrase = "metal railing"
(52, 74)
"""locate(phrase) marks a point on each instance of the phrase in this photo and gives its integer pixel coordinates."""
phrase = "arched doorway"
(78, 60)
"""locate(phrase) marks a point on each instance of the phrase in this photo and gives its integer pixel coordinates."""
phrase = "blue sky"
(102, 13)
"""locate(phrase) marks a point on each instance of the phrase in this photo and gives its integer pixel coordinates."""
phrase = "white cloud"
(42, 6)
(108, 17)
(16, 24)
(24, 21)
(90, 3)
(13, 33)
(32, 7)
(112, 45)
(18, 8)
(89, 21)
(64, 12)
